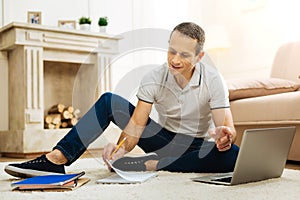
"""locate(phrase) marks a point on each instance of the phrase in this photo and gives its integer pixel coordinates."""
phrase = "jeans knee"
(104, 98)
(106, 95)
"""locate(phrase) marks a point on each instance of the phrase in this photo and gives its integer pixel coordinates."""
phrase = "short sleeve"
(148, 88)
(219, 92)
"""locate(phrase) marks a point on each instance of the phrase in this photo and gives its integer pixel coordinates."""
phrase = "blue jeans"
(177, 152)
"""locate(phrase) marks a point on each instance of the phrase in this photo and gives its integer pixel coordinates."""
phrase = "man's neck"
(183, 79)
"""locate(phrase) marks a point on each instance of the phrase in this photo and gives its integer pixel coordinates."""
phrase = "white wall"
(1, 13)
(54, 10)
(255, 34)
(124, 15)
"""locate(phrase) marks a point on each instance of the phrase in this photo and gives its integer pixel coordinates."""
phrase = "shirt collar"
(196, 77)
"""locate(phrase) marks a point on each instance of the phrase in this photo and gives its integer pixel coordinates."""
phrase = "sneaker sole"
(145, 157)
(128, 159)
(141, 155)
(25, 173)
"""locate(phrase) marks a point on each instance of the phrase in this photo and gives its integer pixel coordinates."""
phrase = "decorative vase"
(102, 29)
(85, 27)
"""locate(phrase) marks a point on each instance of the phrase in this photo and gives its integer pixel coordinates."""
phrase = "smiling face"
(182, 56)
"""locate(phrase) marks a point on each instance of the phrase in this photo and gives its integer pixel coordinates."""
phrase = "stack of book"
(61, 182)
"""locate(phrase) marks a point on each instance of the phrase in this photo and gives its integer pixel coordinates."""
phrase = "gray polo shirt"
(187, 110)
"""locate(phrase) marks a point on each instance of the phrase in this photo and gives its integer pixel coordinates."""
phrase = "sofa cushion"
(275, 109)
(245, 88)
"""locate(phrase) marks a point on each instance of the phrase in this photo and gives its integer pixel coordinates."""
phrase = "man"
(188, 96)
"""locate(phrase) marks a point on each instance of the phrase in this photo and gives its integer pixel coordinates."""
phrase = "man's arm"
(224, 133)
(132, 131)
(136, 125)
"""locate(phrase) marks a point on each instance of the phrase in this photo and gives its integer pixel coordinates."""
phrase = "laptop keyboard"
(225, 179)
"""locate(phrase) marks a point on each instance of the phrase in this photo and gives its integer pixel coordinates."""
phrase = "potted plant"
(85, 23)
(103, 22)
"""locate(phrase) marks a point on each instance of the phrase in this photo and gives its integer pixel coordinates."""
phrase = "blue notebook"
(48, 181)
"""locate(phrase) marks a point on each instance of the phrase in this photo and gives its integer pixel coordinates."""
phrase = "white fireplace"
(42, 66)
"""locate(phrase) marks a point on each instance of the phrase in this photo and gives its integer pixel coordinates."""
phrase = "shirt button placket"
(181, 98)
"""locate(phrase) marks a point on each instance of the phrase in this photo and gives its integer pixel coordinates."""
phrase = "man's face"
(182, 57)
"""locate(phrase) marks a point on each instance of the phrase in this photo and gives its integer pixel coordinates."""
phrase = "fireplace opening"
(72, 86)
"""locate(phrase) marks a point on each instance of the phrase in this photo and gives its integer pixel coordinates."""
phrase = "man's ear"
(200, 55)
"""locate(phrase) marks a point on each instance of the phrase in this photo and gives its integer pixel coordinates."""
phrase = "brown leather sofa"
(273, 101)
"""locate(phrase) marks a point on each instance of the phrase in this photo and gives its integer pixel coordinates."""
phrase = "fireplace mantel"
(26, 49)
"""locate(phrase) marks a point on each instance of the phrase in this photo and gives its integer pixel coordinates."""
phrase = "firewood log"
(76, 113)
(50, 126)
(66, 115)
(58, 108)
(53, 118)
(64, 124)
(73, 122)
(61, 116)
(70, 109)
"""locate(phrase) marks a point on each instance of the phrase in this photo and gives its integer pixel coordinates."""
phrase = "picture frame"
(34, 17)
(67, 24)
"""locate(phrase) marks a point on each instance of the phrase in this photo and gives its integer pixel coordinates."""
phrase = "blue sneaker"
(37, 167)
(137, 163)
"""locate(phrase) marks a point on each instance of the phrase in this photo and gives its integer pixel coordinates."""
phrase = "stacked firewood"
(61, 116)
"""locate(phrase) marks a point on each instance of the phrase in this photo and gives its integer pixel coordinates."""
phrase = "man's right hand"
(108, 150)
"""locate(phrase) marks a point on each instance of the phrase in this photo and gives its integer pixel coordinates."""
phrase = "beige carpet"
(166, 186)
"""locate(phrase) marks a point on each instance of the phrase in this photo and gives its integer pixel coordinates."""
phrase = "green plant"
(103, 21)
(85, 20)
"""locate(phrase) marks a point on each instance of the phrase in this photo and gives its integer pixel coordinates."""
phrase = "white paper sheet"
(127, 176)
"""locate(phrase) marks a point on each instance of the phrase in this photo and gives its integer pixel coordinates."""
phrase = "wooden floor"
(289, 165)
(293, 165)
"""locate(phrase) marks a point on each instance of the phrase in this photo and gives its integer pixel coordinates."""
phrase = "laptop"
(263, 154)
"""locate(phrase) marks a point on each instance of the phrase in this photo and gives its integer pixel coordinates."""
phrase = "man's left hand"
(223, 138)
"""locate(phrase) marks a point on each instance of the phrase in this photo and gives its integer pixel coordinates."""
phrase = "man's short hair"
(193, 31)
